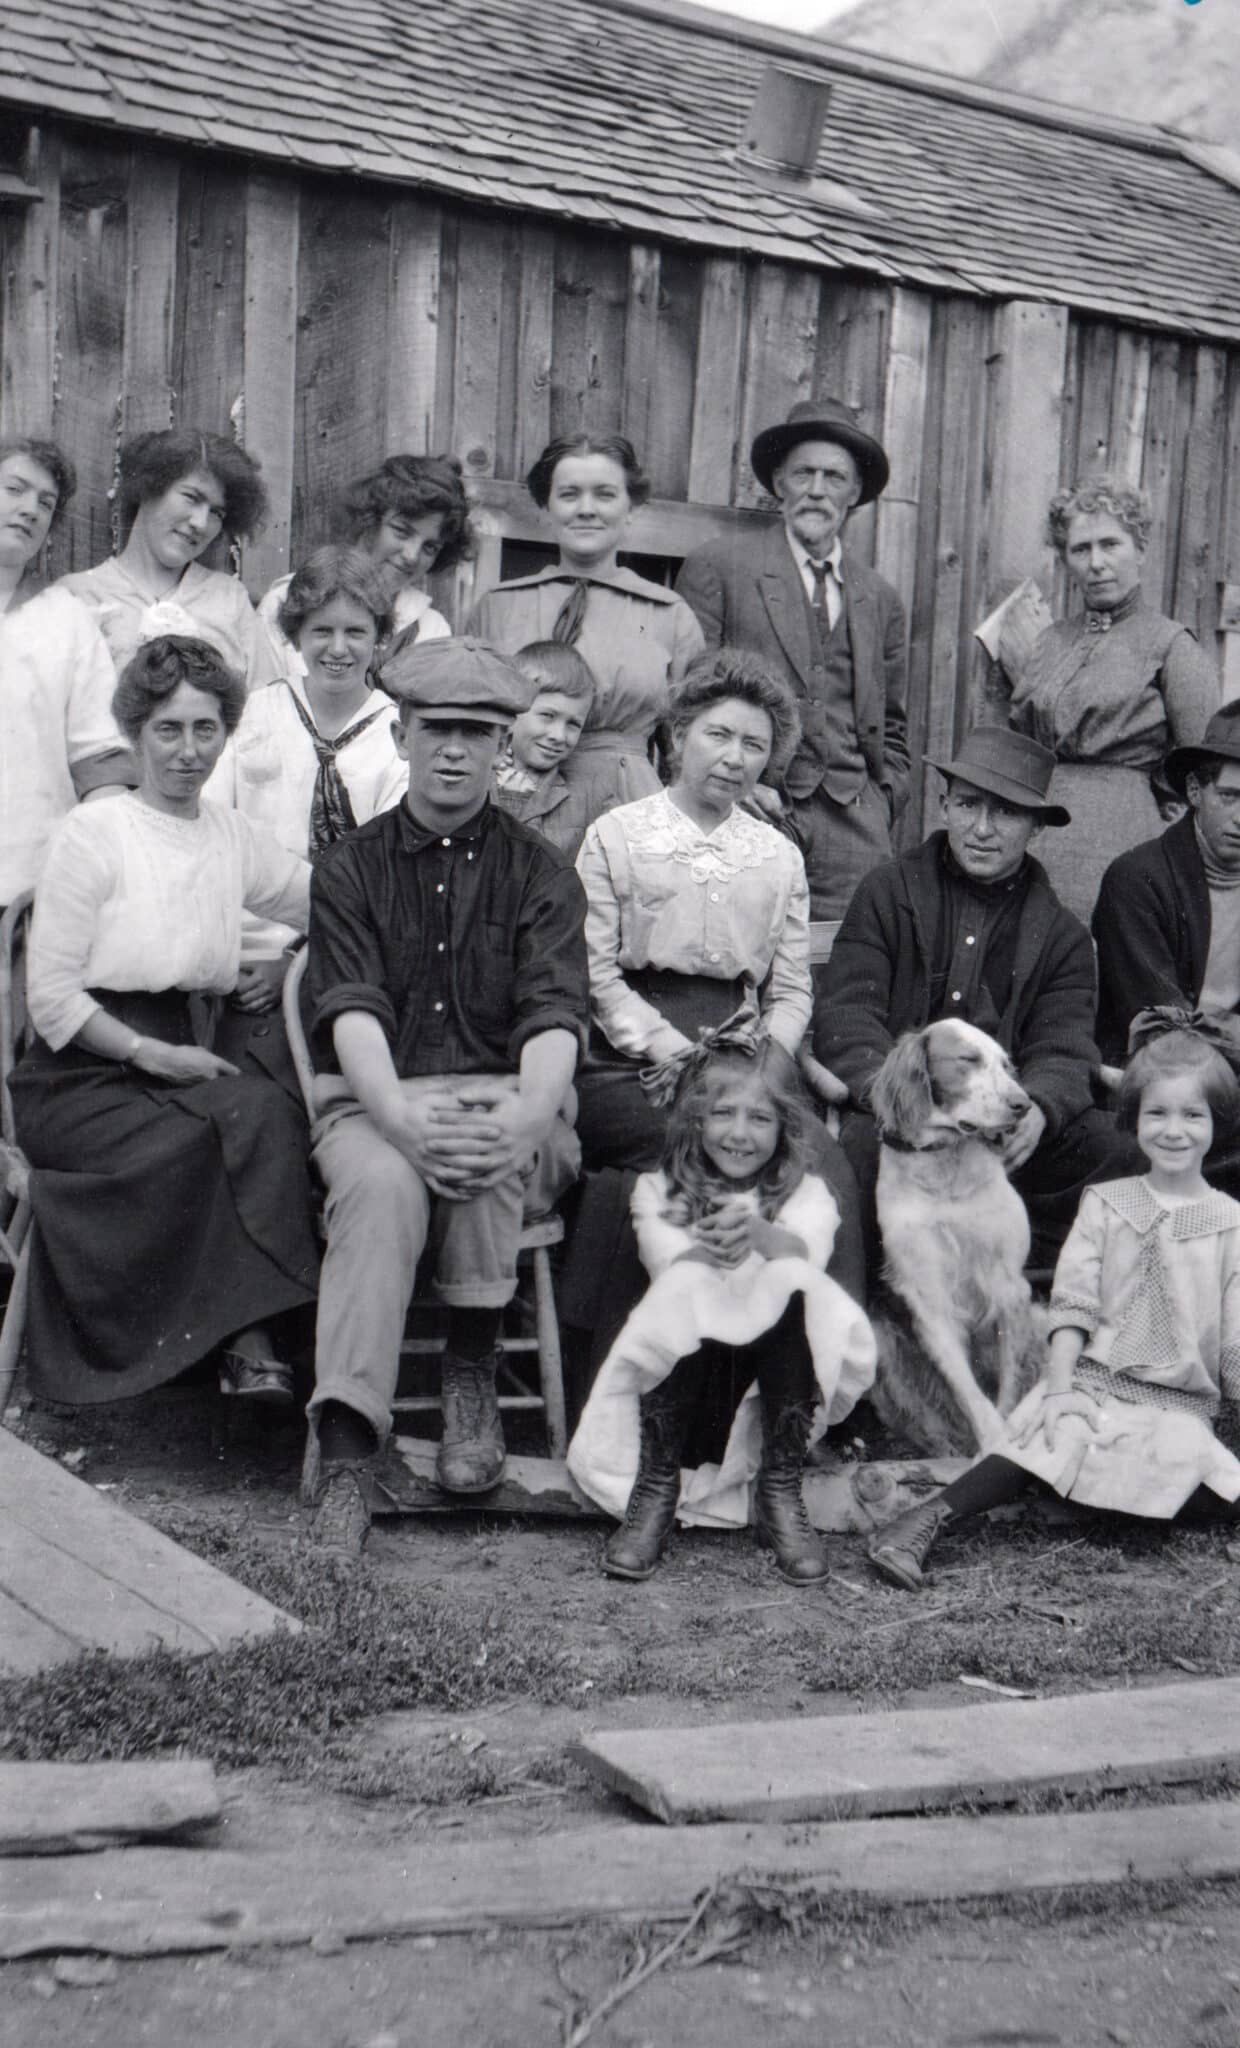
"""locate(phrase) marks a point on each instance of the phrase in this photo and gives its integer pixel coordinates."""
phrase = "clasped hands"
(464, 1137)
(728, 1233)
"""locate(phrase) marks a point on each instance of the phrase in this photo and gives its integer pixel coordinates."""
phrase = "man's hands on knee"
(462, 1138)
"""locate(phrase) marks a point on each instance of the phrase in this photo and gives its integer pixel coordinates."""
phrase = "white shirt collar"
(834, 557)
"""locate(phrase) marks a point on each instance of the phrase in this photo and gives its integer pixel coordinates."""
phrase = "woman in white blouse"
(693, 904)
(314, 757)
(171, 1195)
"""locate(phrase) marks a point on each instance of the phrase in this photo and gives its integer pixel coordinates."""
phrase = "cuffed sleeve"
(550, 975)
(629, 1023)
(79, 877)
(1076, 1296)
(114, 769)
(788, 999)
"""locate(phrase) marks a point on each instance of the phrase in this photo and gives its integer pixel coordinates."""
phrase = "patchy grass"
(290, 1700)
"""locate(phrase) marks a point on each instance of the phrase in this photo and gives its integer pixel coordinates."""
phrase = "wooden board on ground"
(56, 1809)
(78, 1573)
(143, 1902)
(854, 1499)
(909, 1762)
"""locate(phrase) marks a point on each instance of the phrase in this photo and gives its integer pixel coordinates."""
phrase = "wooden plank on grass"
(856, 1499)
(59, 1809)
(145, 1902)
(88, 1576)
(913, 1761)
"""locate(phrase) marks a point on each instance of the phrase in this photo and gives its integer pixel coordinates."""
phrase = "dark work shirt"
(975, 944)
(463, 945)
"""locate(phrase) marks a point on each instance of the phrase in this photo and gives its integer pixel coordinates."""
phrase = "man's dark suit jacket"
(749, 594)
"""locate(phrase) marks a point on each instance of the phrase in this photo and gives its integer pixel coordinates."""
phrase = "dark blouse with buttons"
(463, 946)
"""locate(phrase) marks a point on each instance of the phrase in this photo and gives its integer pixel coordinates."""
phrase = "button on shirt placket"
(442, 963)
(715, 930)
(966, 963)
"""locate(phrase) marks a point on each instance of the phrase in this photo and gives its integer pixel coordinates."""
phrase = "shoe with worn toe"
(263, 1380)
(343, 1510)
(471, 1451)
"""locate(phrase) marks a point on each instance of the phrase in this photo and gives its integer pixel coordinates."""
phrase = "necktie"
(331, 813)
(824, 584)
(566, 629)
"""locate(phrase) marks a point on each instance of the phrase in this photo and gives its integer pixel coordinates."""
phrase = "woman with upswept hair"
(1109, 691)
(171, 1194)
(637, 636)
(179, 491)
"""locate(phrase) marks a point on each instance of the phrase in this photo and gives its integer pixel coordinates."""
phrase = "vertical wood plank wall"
(326, 323)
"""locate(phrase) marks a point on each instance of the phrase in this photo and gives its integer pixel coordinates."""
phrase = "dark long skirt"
(165, 1218)
(621, 1135)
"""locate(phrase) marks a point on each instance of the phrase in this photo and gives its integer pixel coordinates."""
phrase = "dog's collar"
(896, 1144)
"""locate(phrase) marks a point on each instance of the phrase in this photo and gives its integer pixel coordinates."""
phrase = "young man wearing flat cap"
(446, 1002)
(1167, 921)
(967, 925)
(832, 628)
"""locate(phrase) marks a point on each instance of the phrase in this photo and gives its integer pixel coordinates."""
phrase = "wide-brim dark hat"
(1220, 741)
(1010, 765)
(823, 419)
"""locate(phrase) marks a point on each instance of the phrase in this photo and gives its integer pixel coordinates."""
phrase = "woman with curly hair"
(411, 517)
(177, 491)
(695, 907)
(637, 637)
(314, 757)
(171, 1194)
(1110, 691)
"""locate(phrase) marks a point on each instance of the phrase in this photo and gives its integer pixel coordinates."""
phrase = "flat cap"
(451, 679)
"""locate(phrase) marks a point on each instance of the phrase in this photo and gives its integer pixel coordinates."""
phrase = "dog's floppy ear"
(901, 1097)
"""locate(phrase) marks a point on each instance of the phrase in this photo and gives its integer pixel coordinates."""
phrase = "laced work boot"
(779, 1504)
(900, 1550)
(342, 1514)
(635, 1548)
(471, 1450)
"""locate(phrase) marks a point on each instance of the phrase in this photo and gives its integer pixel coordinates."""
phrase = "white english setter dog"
(959, 1339)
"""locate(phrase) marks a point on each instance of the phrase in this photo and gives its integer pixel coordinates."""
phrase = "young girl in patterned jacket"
(1144, 1321)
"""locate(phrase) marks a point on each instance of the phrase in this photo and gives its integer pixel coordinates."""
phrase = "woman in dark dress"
(171, 1194)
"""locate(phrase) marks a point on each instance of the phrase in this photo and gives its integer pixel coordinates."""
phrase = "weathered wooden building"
(339, 230)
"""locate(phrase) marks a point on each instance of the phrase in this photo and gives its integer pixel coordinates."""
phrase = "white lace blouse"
(663, 893)
(132, 898)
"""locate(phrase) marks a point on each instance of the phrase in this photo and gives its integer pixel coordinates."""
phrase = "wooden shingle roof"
(624, 114)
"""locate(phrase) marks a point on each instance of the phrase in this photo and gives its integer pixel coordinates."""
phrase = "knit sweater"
(878, 984)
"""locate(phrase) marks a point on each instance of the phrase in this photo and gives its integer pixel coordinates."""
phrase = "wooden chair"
(14, 1170)
(538, 1237)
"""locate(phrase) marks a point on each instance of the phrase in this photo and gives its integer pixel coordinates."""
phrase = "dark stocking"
(1211, 1507)
(473, 1333)
(991, 1483)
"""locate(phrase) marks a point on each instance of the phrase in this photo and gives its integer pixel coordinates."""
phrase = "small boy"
(528, 781)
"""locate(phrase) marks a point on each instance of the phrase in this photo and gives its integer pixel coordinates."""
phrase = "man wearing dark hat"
(1167, 921)
(832, 628)
(445, 1002)
(967, 925)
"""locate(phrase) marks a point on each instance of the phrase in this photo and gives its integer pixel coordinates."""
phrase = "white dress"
(56, 685)
(132, 898)
(267, 771)
(688, 1303)
(1156, 1288)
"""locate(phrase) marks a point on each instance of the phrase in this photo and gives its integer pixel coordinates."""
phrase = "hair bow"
(1219, 1028)
(741, 1032)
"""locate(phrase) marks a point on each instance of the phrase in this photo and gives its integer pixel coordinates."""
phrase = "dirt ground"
(1045, 1602)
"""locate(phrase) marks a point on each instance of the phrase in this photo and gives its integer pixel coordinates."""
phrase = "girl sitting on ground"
(734, 1230)
(1144, 1321)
